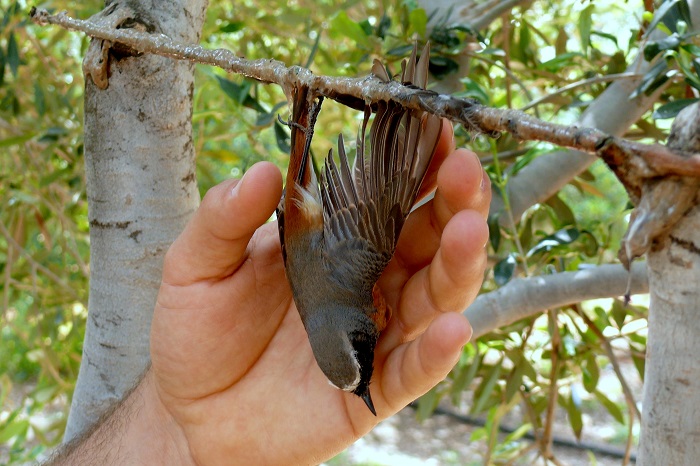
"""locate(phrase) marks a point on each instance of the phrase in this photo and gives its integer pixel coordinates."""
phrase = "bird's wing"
(365, 207)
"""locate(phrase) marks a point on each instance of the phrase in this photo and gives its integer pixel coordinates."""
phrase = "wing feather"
(366, 206)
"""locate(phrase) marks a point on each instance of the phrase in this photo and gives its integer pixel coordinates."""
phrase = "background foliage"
(521, 59)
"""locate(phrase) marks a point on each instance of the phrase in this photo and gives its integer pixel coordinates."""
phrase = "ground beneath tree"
(441, 440)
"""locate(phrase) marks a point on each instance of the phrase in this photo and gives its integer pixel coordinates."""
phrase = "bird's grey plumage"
(333, 268)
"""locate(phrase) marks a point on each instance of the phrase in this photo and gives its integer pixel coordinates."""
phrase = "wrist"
(140, 430)
(152, 435)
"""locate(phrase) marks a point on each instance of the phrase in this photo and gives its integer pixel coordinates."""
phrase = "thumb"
(214, 242)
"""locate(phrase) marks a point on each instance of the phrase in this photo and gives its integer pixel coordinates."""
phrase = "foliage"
(544, 46)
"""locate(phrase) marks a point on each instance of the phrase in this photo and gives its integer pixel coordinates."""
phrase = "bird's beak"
(368, 401)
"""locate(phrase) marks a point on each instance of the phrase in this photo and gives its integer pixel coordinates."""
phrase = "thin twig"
(11, 241)
(546, 444)
(583, 82)
(629, 397)
(630, 161)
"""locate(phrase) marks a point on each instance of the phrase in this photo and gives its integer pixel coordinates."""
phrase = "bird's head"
(343, 342)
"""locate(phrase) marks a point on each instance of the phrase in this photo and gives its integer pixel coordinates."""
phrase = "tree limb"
(524, 297)
(630, 161)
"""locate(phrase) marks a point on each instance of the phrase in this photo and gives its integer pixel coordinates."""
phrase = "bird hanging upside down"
(338, 236)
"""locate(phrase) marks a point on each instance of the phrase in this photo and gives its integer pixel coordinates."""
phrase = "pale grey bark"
(141, 187)
(671, 406)
(524, 297)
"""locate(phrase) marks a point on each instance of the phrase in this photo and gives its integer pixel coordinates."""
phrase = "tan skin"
(233, 379)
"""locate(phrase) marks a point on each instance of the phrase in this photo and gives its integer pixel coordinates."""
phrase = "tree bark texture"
(141, 187)
(671, 406)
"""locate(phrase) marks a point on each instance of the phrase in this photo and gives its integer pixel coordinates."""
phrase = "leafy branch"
(632, 162)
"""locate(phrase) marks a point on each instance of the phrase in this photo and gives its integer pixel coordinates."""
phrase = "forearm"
(138, 431)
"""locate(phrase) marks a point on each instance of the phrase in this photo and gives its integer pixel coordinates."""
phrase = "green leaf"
(232, 26)
(13, 428)
(382, 28)
(13, 54)
(589, 244)
(564, 213)
(612, 38)
(619, 313)
(16, 140)
(264, 119)
(494, 231)
(523, 161)
(485, 390)
(282, 138)
(602, 321)
(473, 90)
(465, 377)
(591, 372)
(559, 62)
(659, 15)
(561, 237)
(441, 66)
(240, 93)
(518, 433)
(400, 51)
(427, 404)
(671, 109)
(639, 364)
(515, 379)
(653, 48)
(585, 22)
(53, 134)
(2, 67)
(503, 270)
(417, 20)
(39, 99)
(341, 24)
(654, 78)
(574, 415)
(612, 408)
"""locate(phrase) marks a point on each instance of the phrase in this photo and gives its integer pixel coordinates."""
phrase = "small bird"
(339, 235)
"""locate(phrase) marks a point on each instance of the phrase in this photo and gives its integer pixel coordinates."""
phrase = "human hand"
(231, 363)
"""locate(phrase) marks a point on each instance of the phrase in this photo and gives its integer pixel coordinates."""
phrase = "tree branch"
(631, 161)
(526, 296)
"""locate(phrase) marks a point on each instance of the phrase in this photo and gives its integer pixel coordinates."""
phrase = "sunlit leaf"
(342, 24)
(575, 419)
(585, 22)
(610, 406)
(591, 372)
(561, 237)
(672, 109)
(14, 427)
(503, 270)
(485, 390)
(464, 377)
(427, 404)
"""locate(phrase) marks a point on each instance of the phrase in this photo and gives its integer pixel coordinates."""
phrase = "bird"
(339, 228)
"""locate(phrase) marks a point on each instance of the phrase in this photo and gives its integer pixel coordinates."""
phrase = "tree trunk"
(141, 186)
(671, 406)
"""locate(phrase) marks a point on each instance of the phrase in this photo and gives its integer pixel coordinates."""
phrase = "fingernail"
(482, 183)
(485, 182)
(237, 187)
